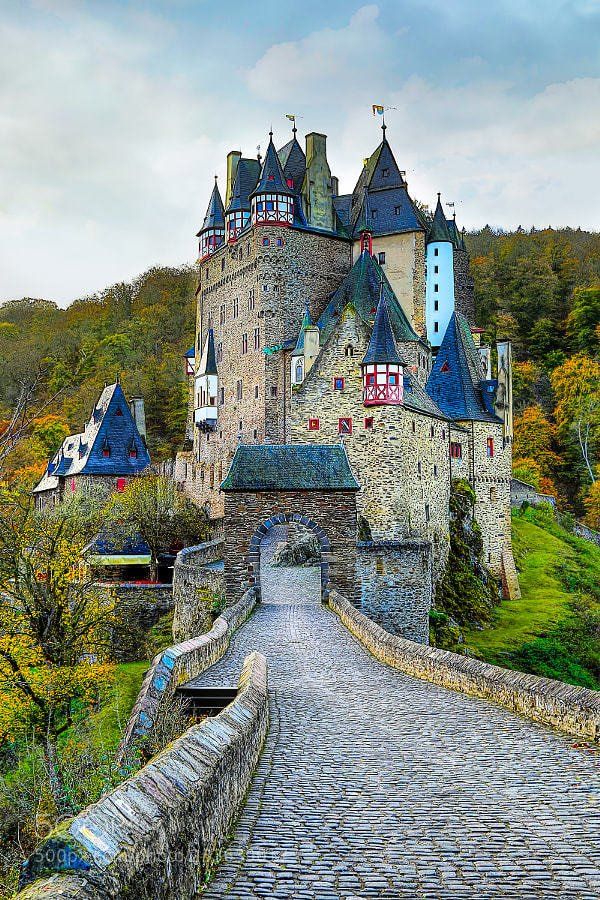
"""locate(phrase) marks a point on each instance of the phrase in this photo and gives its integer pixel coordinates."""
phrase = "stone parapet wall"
(588, 534)
(194, 575)
(179, 664)
(157, 834)
(571, 709)
(396, 582)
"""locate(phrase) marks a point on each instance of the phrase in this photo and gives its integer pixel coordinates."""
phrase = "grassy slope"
(110, 720)
(547, 598)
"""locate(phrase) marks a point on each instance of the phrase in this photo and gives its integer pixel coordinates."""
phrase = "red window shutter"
(314, 424)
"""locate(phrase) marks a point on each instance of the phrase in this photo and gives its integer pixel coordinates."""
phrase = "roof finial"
(383, 126)
(258, 156)
(454, 215)
(439, 193)
(216, 177)
(271, 133)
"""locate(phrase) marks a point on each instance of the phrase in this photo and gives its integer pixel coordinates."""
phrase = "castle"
(327, 318)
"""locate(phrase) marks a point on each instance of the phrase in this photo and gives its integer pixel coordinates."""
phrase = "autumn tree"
(151, 509)
(582, 322)
(576, 386)
(54, 627)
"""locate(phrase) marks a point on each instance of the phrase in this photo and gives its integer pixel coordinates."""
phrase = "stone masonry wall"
(400, 461)
(247, 289)
(179, 664)
(157, 834)
(137, 607)
(464, 286)
(396, 586)
(572, 709)
(249, 514)
(196, 579)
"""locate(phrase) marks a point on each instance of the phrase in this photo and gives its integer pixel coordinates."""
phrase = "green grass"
(106, 725)
(544, 600)
(554, 628)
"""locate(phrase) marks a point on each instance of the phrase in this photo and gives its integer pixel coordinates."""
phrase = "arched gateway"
(277, 484)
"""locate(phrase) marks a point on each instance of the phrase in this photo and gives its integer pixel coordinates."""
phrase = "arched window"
(349, 350)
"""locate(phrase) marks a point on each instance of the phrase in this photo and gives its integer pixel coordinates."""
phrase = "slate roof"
(456, 383)
(382, 346)
(293, 162)
(342, 205)
(454, 232)
(112, 426)
(361, 287)
(271, 177)
(105, 544)
(208, 360)
(438, 231)
(215, 217)
(290, 467)
(246, 176)
(417, 398)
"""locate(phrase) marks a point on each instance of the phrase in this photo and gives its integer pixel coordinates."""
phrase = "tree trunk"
(55, 779)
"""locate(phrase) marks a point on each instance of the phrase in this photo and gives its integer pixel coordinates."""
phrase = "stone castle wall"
(250, 515)
(464, 286)
(158, 833)
(403, 468)
(269, 287)
(396, 584)
(197, 580)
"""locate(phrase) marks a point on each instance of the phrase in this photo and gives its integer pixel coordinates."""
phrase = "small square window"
(344, 426)
(490, 447)
(436, 288)
(313, 424)
(338, 384)
(273, 390)
(432, 431)
(397, 210)
(434, 471)
(436, 251)
(381, 259)
(436, 269)
(385, 173)
(280, 242)
(265, 242)
(436, 305)
(436, 326)
(369, 423)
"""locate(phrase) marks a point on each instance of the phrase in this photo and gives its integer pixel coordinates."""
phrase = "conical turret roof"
(215, 214)
(439, 227)
(382, 346)
(247, 174)
(454, 232)
(208, 361)
(272, 179)
(306, 323)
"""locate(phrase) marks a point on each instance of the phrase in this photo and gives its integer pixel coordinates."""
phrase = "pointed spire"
(364, 221)
(306, 323)
(208, 361)
(382, 346)
(439, 227)
(272, 179)
(215, 214)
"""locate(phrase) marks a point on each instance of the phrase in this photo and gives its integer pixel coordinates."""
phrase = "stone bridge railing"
(574, 710)
(196, 573)
(157, 834)
(178, 664)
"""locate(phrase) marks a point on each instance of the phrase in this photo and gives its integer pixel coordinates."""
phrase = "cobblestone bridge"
(373, 784)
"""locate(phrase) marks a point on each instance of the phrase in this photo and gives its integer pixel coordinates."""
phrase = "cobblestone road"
(372, 784)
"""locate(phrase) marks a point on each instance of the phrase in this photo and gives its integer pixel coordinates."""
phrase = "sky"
(115, 116)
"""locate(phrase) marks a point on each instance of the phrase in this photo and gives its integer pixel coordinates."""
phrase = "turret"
(212, 233)
(272, 199)
(306, 350)
(382, 368)
(245, 173)
(439, 290)
(206, 386)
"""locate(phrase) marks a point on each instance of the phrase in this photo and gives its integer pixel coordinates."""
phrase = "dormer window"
(118, 411)
(106, 450)
(133, 452)
(385, 173)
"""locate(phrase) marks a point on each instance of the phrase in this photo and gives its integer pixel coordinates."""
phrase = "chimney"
(136, 405)
(233, 158)
(317, 186)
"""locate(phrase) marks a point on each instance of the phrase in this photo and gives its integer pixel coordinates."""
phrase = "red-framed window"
(455, 450)
(489, 447)
(314, 424)
(371, 378)
(121, 485)
(344, 426)
(338, 383)
(369, 423)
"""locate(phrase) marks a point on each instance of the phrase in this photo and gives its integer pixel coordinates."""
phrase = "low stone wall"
(572, 709)
(588, 534)
(177, 665)
(157, 834)
(396, 583)
(522, 492)
(195, 580)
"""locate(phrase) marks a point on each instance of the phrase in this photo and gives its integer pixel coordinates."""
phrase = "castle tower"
(273, 198)
(439, 290)
(212, 233)
(382, 368)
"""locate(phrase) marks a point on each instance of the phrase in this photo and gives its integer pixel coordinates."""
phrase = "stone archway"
(254, 548)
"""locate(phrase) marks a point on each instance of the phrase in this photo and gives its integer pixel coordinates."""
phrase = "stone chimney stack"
(317, 189)
(233, 158)
(138, 411)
